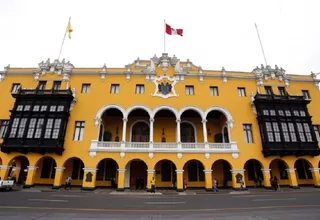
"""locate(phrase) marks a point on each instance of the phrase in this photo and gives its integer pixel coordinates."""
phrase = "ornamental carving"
(266, 73)
(164, 86)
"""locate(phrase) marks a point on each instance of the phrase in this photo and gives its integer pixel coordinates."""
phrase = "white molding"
(121, 170)
(59, 168)
(158, 79)
(110, 106)
(135, 122)
(5, 167)
(134, 107)
(165, 107)
(207, 171)
(179, 171)
(314, 169)
(191, 107)
(238, 171)
(93, 170)
(194, 128)
(223, 110)
(291, 170)
(265, 170)
(32, 167)
(151, 171)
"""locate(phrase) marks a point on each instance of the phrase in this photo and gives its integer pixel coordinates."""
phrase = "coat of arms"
(165, 86)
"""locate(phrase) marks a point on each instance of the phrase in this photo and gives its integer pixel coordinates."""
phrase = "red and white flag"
(173, 31)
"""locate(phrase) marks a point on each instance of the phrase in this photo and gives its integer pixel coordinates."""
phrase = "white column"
(204, 127)
(124, 129)
(151, 130)
(178, 131)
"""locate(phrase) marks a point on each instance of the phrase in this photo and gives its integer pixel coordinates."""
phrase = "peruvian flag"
(172, 31)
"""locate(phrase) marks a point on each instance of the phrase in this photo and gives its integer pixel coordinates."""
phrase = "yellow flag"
(69, 30)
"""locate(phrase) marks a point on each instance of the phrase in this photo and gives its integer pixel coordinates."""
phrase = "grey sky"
(216, 33)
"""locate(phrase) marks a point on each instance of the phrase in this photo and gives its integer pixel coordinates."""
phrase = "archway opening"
(190, 127)
(217, 129)
(304, 174)
(136, 175)
(279, 168)
(221, 170)
(253, 174)
(164, 127)
(193, 174)
(138, 120)
(19, 169)
(74, 168)
(46, 172)
(0, 161)
(111, 125)
(165, 174)
(107, 175)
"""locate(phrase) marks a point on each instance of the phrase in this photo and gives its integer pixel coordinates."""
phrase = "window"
(15, 87)
(276, 131)
(305, 94)
(247, 130)
(315, 127)
(27, 108)
(79, 130)
(214, 91)
(139, 89)
(85, 88)
(56, 85)
(36, 108)
(19, 107)
(115, 88)
(43, 108)
(268, 90)
(292, 132)
(14, 127)
(189, 90)
(32, 126)
(60, 108)
(22, 127)
(53, 108)
(285, 131)
(42, 85)
(269, 132)
(39, 127)
(3, 127)
(52, 128)
(282, 90)
(241, 91)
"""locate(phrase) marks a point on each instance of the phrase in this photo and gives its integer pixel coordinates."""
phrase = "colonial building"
(161, 117)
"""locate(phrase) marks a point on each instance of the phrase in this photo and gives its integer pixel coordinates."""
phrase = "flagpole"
(264, 56)
(164, 37)
(64, 37)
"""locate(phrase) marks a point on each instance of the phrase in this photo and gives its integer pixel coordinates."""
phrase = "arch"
(19, 168)
(165, 107)
(194, 129)
(112, 106)
(224, 111)
(133, 124)
(167, 176)
(74, 167)
(136, 174)
(194, 174)
(107, 174)
(278, 167)
(302, 167)
(135, 107)
(253, 175)
(221, 170)
(46, 170)
(194, 108)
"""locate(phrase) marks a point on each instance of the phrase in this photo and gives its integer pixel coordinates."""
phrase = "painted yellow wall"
(88, 105)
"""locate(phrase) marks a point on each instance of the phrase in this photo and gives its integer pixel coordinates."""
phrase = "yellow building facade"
(160, 118)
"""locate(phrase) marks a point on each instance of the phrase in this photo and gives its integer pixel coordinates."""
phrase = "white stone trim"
(121, 170)
(238, 171)
(314, 169)
(93, 170)
(194, 128)
(134, 107)
(194, 108)
(165, 107)
(16, 168)
(223, 110)
(291, 170)
(135, 122)
(207, 171)
(60, 168)
(179, 171)
(110, 106)
(32, 167)
(151, 171)
(4, 167)
(265, 170)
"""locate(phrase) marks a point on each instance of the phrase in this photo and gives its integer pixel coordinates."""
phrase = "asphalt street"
(76, 206)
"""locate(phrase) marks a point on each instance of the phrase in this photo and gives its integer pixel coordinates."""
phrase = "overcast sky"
(216, 33)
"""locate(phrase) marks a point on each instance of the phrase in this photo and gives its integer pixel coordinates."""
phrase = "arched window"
(140, 132)
(187, 133)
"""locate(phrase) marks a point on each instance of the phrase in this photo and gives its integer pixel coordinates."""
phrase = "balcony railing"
(97, 146)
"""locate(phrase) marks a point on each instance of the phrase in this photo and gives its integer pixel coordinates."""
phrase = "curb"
(135, 193)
